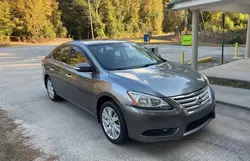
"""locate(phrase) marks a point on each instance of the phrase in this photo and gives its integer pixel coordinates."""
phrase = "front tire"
(113, 123)
(51, 91)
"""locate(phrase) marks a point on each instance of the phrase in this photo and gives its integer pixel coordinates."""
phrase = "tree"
(233, 21)
(108, 14)
(75, 18)
(157, 16)
(6, 24)
(112, 18)
(151, 15)
(99, 26)
(173, 21)
(32, 16)
(145, 12)
(131, 18)
(55, 18)
(35, 19)
(32, 19)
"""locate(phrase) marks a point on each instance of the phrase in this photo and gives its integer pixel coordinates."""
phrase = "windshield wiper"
(149, 64)
(133, 67)
(119, 69)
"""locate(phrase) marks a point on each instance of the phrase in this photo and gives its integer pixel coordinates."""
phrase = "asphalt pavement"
(74, 135)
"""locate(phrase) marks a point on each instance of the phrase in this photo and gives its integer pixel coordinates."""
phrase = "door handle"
(68, 75)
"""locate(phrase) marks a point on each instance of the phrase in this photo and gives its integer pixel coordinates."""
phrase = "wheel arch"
(104, 97)
(46, 76)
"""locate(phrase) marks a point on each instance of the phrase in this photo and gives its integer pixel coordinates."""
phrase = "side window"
(62, 54)
(77, 57)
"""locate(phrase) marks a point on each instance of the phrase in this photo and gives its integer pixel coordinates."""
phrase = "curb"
(229, 82)
(234, 105)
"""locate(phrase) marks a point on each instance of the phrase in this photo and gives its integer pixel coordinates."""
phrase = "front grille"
(195, 100)
(199, 122)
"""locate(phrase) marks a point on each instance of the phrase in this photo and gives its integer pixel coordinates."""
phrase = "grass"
(14, 146)
(172, 40)
(55, 41)
(155, 41)
(229, 82)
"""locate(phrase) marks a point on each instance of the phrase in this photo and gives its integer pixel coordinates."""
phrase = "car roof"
(95, 42)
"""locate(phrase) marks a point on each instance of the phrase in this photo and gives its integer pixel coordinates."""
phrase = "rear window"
(62, 54)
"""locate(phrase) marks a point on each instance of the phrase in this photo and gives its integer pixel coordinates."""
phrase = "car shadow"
(156, 148)
(85, 122)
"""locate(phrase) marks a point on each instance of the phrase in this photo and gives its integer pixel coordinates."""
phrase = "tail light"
(43, 60)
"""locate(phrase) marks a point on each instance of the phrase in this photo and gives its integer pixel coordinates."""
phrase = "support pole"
(248, 39)
(236, 50)
(195, 27)
(182, 58)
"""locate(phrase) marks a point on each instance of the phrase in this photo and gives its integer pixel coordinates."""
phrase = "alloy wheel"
(50, 89)
(111, 123)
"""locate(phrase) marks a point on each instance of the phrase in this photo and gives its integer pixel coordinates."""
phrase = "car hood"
(164, 80)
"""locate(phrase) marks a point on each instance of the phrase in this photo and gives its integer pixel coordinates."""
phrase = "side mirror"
(83, 67)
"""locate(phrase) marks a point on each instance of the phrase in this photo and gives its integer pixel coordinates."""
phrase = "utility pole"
(91, 23)
(186, 22)
(223, 37)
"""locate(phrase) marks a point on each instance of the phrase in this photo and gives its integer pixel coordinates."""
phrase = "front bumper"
(153, 126)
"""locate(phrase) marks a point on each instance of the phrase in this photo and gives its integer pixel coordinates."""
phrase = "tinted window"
(120, 56)
(62, 54)
(77, 57)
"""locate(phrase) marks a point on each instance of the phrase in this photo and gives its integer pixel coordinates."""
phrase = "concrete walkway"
(232, 96)
(238, 70)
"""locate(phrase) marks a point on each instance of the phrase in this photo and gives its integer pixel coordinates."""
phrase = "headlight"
(147, 101)
(205, 78)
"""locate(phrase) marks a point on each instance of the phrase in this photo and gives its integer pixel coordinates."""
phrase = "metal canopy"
(241, 6)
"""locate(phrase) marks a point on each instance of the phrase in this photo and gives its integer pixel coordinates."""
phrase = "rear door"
(59, 69)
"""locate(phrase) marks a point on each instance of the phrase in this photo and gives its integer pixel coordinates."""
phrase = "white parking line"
(21, 65)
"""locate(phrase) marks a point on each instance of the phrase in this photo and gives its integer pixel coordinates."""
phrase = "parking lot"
(74, 135)
(173, 53)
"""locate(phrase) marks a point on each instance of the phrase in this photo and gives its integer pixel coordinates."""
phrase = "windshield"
(119, 56)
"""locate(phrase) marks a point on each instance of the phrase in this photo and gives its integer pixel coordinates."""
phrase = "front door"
(82, 83)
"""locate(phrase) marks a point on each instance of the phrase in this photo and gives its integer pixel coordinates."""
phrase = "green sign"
(186, 40)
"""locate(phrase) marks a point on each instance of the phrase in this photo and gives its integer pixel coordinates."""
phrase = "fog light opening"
(160, 132)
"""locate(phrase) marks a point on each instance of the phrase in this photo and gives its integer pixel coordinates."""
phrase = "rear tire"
(51, 90)
(113, 123)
